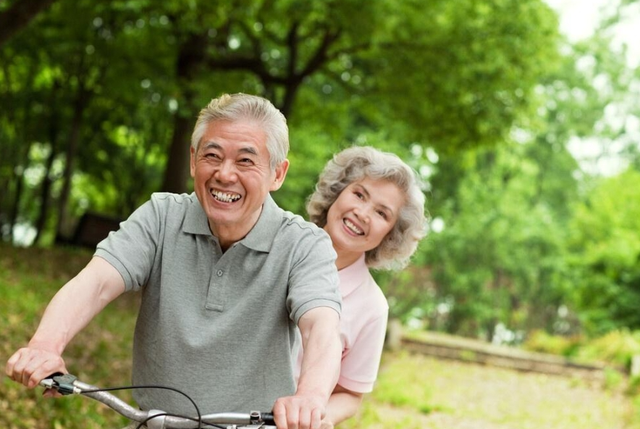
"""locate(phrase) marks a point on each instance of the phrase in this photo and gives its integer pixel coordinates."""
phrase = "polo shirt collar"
(260, 237)
(196, 221)
(264, 232)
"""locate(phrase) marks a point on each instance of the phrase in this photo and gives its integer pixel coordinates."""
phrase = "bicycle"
(67, 384)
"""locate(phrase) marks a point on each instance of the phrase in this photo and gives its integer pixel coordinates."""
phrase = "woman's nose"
(362, 213)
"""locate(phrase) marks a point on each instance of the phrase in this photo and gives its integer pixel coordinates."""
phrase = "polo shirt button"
(219, 273)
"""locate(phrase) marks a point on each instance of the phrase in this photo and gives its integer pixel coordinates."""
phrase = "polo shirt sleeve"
(360, 364)
(313, 279)
(132, 248)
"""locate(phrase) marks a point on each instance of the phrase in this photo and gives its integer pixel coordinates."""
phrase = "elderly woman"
(371, 205)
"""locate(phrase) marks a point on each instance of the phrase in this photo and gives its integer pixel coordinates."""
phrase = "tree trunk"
(19, 15)
(177, 173)
(13, 217)
(47, 182)
(63, 228)
(190, 58)
(45, 197)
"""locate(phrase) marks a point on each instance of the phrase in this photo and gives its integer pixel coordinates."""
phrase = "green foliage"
(616, 347)
(498, 49)
(122, 79)
(606, 253)
(543, 342)
(498, 257)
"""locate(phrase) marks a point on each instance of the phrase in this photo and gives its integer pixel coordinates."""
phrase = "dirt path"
(455, 395)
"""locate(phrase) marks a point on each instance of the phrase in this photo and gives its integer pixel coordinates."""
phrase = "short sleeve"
(313, 279)
(132, 248)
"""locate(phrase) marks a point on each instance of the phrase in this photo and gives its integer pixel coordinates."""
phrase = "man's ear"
(281, 173)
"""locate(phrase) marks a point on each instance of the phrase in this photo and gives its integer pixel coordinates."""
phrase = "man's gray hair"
(236, 107)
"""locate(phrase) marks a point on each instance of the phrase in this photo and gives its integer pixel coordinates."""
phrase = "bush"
(543, 342)
(615, 347)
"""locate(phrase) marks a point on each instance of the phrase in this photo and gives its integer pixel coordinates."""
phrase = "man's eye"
(246, 161)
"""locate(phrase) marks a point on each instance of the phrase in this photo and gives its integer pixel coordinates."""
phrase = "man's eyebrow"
(213, 145)
(248, 149)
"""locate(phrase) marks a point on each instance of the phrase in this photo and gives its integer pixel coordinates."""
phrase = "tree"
(606, 253)
(331, 66)
(18, 15)
(498, 258)
(354, 50)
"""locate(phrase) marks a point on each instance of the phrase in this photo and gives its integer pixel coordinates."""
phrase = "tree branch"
(19, 15)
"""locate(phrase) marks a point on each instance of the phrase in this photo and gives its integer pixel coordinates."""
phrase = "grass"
(412, 392)
(100, 354)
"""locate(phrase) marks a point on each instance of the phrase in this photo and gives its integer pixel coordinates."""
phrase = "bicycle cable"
(140, 425)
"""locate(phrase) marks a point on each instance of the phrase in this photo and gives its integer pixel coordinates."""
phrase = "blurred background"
(521, 116)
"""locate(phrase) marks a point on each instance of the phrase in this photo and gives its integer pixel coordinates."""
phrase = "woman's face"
(362, 216)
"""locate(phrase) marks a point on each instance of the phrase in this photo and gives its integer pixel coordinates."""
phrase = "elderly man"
(225, 276)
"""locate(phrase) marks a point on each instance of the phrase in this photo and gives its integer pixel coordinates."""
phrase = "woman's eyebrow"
(381, 205)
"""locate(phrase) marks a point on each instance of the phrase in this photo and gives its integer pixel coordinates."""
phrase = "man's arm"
(70, 310)
(319, 328)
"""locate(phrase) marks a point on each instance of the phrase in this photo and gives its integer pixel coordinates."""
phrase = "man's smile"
(225, 197)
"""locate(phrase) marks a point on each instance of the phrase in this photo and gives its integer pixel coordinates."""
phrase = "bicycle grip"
(63, 383)
(268, 419)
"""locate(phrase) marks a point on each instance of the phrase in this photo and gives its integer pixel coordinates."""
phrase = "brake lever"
(63, 383)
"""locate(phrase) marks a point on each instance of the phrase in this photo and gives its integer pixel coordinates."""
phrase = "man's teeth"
(225, 197)
(353, 227)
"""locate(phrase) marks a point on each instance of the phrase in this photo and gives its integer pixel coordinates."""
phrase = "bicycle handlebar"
(67, 384)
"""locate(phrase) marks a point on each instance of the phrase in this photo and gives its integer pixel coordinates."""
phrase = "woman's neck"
(345, 259)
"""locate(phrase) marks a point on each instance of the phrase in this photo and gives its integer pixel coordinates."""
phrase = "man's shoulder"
(171, 198)
(296, 223)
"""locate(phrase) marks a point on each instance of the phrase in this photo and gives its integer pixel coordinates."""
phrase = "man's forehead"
(243, 133)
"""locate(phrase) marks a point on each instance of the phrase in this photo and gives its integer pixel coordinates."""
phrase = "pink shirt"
(363, 326)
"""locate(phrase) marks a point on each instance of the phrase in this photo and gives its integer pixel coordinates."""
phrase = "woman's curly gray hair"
(359, 162)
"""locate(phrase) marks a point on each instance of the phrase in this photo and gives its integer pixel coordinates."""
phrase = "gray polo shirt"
(218, 326)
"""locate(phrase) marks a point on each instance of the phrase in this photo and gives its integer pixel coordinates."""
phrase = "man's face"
(232, 177)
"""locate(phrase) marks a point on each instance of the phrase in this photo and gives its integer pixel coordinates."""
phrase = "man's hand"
(30, 365)
(299, 412)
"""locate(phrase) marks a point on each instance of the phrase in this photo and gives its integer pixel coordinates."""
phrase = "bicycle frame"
(68, 384)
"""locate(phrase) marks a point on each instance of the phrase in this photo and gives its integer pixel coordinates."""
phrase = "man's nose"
(226, 172)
